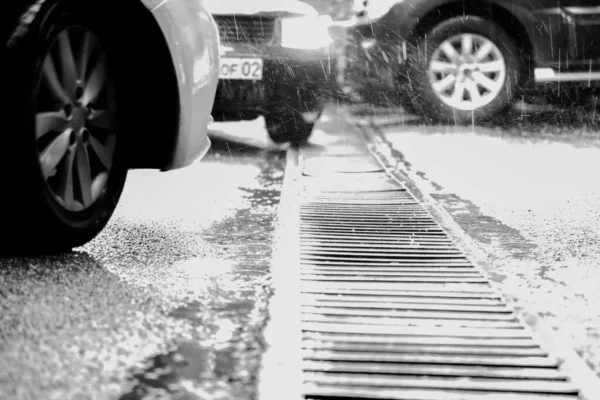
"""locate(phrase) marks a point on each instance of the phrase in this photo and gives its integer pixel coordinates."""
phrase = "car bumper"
(289, 76)
(193, 42)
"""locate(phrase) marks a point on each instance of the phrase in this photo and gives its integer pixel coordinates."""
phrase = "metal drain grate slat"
(383, 236)
(309, 272)
(434, 370)
(413, 228)
(461, 332)
(482, 384)
(409, 306)
(407, 300)
(420, 341)
(381, 250)
(410, 316)
(391, 308)
(425, 349)
(351, 240)
(445, 359)
(329, 391)
(412, 267)
(399, 322)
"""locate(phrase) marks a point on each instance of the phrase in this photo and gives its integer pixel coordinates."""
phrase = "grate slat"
(378, 248)
(314, 391)
(423, 349)
(435, 370)
(420, 340)
(475, 384)
(461, 307)
(320, 233)
(388, 279)
(406, 258)
(397, 321)
(504, 315)
(337, 244)
(410, 272)
(404, 298)
(384, 269)
(462, 332)
(489, 360)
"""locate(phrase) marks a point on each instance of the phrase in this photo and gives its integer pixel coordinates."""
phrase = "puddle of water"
(165, 373)
(190, 311)
(224, 357)
(175, 375)
(262, 197)
(486, 230)
(206, 267)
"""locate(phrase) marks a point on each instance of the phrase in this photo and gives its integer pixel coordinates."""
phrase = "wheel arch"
(151, 89)
(146, 71)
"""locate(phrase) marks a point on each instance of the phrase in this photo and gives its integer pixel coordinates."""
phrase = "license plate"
(241, 68)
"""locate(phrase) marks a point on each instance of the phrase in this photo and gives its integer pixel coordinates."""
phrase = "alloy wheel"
(467, 71)
(75, 120)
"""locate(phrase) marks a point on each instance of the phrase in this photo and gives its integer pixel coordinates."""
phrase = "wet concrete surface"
(167, 302)
(525, 191)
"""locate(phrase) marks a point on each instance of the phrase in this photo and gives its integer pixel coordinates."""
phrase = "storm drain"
(392, 309)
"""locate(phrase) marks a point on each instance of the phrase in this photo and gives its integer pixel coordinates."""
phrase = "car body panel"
(542, 20)
(248, 7)
(535, 18)
(582, 19)
(275, 53)
(152, 4)
(545, 31)
(193, 40)
(563, 33)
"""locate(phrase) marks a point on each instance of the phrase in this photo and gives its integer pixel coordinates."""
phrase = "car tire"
(466, 69)
(65, 171)
(290, 126)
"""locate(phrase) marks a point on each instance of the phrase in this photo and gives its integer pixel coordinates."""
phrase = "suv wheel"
(467, 71)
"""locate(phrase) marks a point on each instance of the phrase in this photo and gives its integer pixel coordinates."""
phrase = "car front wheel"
(467, 70)
(66, 171)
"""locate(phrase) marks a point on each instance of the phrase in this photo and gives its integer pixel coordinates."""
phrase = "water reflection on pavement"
(167, 302)
(527, 192)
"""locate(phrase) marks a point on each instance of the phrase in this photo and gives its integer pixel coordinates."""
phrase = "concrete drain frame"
(383, 299)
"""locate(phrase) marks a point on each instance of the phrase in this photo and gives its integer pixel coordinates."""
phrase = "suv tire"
(466, 69)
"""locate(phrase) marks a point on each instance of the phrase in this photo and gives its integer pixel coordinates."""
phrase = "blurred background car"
(466, 61)
(96, 88)
(275, 62)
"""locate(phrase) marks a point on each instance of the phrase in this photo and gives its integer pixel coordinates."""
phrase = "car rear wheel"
(290, 126)
(467, 71)
(66, 172)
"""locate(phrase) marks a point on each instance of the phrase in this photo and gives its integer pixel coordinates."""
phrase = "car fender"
(408, 10)
(193, 40)
(533, 22)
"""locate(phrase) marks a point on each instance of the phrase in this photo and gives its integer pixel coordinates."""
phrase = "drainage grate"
(392, 309)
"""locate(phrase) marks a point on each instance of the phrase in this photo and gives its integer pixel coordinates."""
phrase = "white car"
(93, 88)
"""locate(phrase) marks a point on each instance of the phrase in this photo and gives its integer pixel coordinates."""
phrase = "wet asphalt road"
(168, 302)
(526, 190)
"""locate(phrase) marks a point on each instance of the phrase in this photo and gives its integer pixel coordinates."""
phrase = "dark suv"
(275, 62)
(463, 61)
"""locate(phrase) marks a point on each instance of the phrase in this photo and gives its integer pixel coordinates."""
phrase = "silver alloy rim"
(75, 119)
(467, 71)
